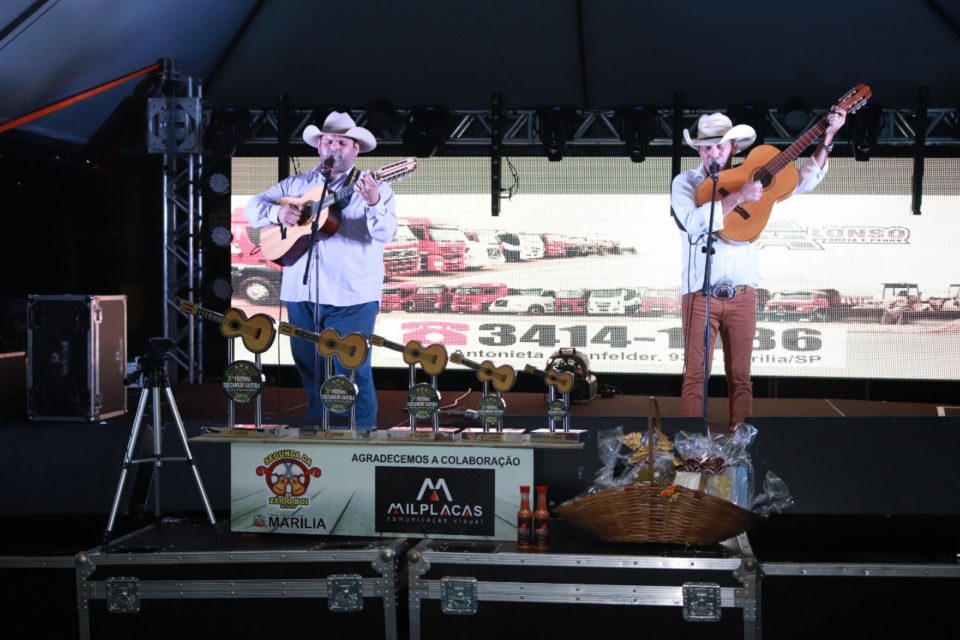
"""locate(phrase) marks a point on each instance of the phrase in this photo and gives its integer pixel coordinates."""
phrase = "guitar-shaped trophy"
(492, 406)
(281, 243)
(423, 399)
(432, 358)
(338, 393)
(242, 380)
(256, 332)
(774, 170)
(558, 409)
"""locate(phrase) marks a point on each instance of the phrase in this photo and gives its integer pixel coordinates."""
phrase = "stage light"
(865, 129)
(426, 131)
(754, 114)
(216, 183)
(796, 115)
(557, 125)
(638, 126)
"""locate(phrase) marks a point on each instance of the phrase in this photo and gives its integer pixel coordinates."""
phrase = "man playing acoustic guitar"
(338, 284)
(734, 272)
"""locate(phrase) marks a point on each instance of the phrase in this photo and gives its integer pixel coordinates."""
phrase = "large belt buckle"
(723, 291)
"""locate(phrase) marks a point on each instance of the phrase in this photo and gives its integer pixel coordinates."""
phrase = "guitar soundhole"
(234, 325)
(764, 178)
(331, 344)
(415, 353)
(352, 351)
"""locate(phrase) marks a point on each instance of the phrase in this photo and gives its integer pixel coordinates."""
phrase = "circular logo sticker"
(557, 410)
(491, 408)
(422, 401)
(242, 380)
(338, 393)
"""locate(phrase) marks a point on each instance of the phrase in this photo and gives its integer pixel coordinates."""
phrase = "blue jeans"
(310, 365)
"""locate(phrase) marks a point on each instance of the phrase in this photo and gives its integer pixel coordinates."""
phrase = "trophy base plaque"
(573, 436)
(477, 434)
(426, 434)
(333, 433)
(252, 432)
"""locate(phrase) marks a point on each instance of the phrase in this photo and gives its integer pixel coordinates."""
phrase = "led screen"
(584, 254)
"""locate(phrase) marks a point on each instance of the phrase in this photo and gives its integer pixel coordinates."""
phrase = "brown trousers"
(736, 321)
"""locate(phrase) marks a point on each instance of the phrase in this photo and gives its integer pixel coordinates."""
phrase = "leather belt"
(728, 291)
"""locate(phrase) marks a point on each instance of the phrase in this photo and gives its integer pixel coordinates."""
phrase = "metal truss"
(175, 122)
(599, 129)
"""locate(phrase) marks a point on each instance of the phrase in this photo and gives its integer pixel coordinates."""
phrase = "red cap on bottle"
(541, 488)
(524, 487)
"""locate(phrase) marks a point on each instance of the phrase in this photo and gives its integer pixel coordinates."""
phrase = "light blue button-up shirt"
(347, 267)
(734, 262)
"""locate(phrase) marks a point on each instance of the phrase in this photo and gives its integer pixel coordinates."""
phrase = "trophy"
(338, 393)
(242, 380)
(558, 409)
(492, 406)
(423, 399)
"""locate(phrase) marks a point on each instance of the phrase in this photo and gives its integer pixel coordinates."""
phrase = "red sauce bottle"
(541, 521)
(524, 521)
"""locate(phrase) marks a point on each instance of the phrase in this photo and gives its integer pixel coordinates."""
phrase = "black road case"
(76, 357)
(163, 582)
(664, 590)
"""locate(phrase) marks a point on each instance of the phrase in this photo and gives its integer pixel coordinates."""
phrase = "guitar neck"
(199, 311)
(288, 329)
(537, 372)
(790, 154)
(457, 358)
(379, 341)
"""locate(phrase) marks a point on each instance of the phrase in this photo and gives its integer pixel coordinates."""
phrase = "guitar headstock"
(855, 98)
(456, 357)
(189, 307)
(287, 329)
(396, 170)
(377, 341)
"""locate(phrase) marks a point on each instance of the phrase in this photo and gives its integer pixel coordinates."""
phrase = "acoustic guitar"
(562, 380)
(279, 242)
(774, 170)
(432, 358)
(256, 332)
(501, 377)
(351, 349)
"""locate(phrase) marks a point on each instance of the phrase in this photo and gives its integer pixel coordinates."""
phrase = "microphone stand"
(314, 225)
(705, 291)
(311, 248)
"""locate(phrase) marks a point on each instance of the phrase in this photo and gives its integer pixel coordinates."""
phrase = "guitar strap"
(345, 193)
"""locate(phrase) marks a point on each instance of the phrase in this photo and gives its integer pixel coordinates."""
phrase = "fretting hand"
(368, 188)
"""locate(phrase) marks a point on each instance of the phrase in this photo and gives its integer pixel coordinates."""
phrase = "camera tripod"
(154, 378)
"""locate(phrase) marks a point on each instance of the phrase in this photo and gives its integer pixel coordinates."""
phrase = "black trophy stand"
(153, 377)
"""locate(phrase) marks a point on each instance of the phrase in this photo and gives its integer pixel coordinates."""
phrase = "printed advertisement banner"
(377, 490)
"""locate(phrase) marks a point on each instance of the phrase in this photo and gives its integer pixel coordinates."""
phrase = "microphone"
(714, 168)
(328, 163)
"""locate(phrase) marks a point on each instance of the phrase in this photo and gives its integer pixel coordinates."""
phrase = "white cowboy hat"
(716, 128)
(341, 124)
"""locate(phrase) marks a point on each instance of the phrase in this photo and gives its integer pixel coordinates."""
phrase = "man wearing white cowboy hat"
(734, 270)
(338, 284)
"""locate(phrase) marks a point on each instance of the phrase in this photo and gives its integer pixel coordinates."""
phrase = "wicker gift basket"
(649, 512)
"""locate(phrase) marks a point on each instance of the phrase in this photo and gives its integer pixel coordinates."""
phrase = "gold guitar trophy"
(242, 380)
(423, 399)
(492, 406)
(558, 409)
(338, 393)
